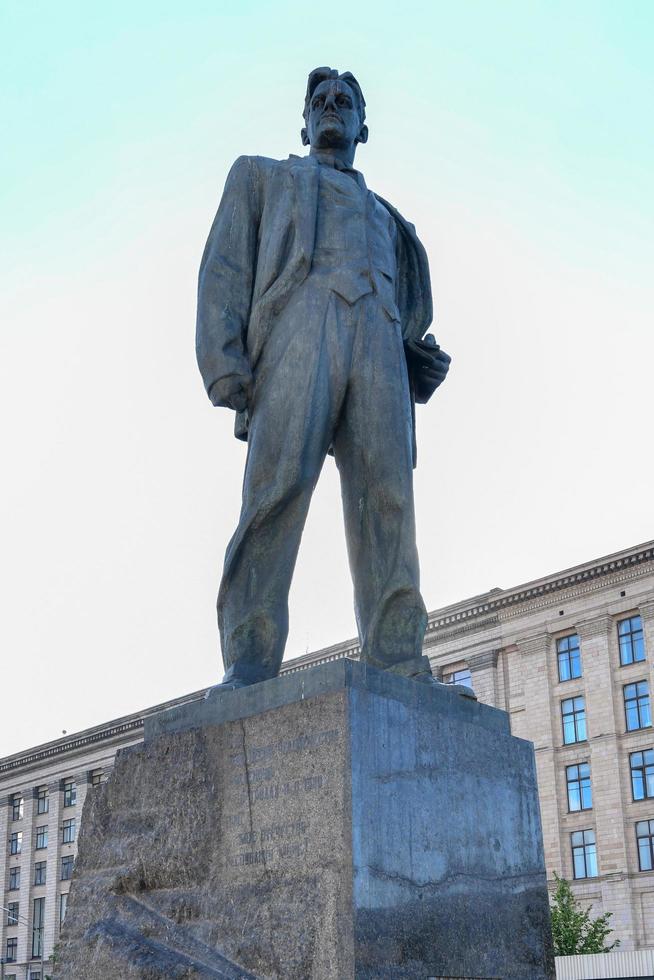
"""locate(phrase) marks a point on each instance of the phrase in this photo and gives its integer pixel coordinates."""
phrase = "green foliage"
(573, 930)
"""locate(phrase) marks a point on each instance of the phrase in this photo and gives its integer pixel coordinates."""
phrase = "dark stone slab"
(446, 847)
(323, 679)
(331, 824)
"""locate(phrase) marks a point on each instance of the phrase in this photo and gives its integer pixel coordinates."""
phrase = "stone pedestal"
(332, 824)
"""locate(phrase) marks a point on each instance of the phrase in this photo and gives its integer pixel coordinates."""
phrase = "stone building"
(569, 656)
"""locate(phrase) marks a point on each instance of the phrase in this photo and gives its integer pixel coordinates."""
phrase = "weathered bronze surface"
(314, 300)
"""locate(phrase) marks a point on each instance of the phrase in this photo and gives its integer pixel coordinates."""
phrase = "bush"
(573, 930)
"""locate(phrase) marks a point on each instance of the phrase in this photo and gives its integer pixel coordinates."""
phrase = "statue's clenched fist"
(435, 372)
(428, 366)
(233, 391)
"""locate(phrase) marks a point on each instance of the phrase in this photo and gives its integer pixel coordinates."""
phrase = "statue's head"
(334, 110)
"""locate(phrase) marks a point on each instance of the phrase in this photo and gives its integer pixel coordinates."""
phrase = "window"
(13, 910)
(68, 831)
(16, 842)
(37, 927)
(63, 905)
(642, 774)
(67, 867)
(17, 806)
(569, 657)
(459, 677)
(645, 841)
(40, 872)
(12, 949)
(70, 792)
(35, 976)
(630, 638)
(573, 713)
(42, 800)
(14, 879)
(580, 795)
(96, 777)
(636, 705)
(41, 837)
(584, 854)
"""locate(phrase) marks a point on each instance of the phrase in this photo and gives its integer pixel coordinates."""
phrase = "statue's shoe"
(232, 685)
(419, 669)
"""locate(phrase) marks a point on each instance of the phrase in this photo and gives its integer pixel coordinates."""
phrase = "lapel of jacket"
(414, 286)
(305, 173)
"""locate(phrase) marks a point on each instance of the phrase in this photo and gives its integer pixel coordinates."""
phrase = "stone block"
(336, 823)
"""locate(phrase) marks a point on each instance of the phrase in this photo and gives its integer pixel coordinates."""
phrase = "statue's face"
(333, 116)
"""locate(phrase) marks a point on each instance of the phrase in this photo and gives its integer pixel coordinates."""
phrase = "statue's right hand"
(233, 391)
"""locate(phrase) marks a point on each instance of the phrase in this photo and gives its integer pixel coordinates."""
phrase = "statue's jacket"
(260, 250)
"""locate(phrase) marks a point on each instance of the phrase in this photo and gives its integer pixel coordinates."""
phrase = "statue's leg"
(373, 447)
(298, 390)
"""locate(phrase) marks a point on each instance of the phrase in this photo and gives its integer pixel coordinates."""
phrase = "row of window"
(637, 710)
(580, 792)
(42, 796)
(630, 641)
(40, 874)
(41, 837)
(584, 850)
(568, 649)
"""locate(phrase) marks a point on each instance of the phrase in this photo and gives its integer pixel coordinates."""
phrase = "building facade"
(568, 656)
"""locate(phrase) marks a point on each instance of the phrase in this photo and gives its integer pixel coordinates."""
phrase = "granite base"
(339, 822)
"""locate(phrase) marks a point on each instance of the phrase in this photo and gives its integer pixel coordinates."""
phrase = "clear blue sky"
(518, 138)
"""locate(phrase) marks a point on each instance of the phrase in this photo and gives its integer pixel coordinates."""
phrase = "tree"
(573, 930)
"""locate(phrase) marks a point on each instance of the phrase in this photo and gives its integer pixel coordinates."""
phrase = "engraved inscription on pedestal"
(280, 778)
(265, 782)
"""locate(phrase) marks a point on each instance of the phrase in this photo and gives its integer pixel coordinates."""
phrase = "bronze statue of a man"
(314, 297)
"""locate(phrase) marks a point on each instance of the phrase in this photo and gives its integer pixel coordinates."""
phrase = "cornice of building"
(82, 740)
(577, 580)
(459, 628)
(348, 648)
(119, 728)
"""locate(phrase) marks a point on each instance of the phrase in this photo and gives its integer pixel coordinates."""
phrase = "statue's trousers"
(331, 374)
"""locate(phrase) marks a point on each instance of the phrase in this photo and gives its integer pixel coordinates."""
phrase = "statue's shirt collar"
(326, 160)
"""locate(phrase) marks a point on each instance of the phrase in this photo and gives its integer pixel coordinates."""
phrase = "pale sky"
(516, 135)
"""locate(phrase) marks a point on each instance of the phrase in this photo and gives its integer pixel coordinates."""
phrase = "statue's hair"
(319, 75)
